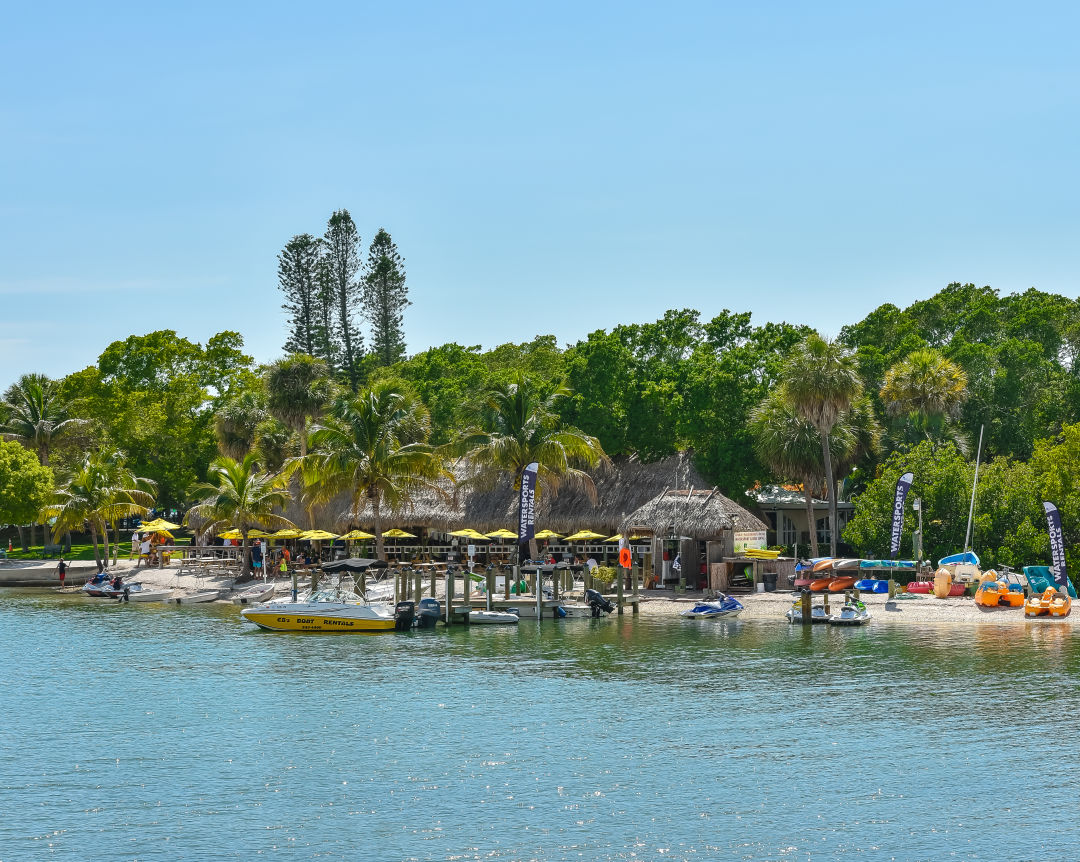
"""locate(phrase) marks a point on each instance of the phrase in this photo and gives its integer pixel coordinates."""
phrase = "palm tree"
(522, 426)
(821, 382)
(235, 423)
(34, 415)
(300, 390)
(100, 491)
(239, 494)
(791, 447)
(373, 446)
(929, 390)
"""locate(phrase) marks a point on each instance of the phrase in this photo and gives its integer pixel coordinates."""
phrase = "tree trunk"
(116, 542)
(808, 493)
(97, 556)
(33, 532)
(246, 552)
(379, 543)
(22, 538)
(830, 486)
(303, 438)
(67, 541)
(105, 540)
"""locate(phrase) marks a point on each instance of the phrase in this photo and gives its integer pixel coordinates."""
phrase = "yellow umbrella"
(286, 534)
(397, 534)
(584, 536)
(616, 538)
(547, 534)
(318, 535)
(638, 538)
(258, 534)
(164, 533)
(356, 535)
(469, 533)
(231, 534)
(157, 525)
(502, 534)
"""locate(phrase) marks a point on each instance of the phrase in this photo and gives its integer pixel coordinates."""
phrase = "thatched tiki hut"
(697, 525)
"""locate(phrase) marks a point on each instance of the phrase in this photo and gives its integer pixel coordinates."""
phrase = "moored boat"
(197, 598)
(150, 594)
(493, 618)
(255, 595)
(851, 614)
(993, 593)
(329, 610)
(723, 607)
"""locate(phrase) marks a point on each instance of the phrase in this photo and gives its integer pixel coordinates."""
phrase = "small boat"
(493, 618)
(963, 567)
(846, 564)
(197, 598)
(851, 614)
(824, 564)
(872, 585)
(330, 610)
(998, 594)
(725, 606)
(838, 585)
(817, 613)
(254, 595)
(1049, 603)
(820, 585)
(149, 594)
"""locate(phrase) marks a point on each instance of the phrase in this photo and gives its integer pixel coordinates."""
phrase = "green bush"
(603, 574)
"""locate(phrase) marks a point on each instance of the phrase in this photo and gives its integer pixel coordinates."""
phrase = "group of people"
(145, 548)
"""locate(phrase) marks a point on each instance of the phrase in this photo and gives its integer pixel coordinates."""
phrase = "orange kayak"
(823, 565)
(838, 585)
(820, 585)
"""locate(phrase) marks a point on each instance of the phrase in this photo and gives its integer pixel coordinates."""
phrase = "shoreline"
(920, 609)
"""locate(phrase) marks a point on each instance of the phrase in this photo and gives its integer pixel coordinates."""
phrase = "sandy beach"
(660, 603)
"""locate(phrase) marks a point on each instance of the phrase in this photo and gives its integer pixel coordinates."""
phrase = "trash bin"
(769, 579)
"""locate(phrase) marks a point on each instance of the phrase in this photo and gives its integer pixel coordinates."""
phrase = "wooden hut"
(694, 525)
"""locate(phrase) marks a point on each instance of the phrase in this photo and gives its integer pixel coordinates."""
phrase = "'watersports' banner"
(527, 505)
(903, 485)
(1057, 546)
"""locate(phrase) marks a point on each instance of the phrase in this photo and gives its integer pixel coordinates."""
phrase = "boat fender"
(560, 612)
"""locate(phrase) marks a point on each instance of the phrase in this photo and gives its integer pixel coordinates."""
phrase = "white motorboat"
(493, 618)
(197, 598)
(254, 595)
(149, 594)
(330, 610)
(577, 610)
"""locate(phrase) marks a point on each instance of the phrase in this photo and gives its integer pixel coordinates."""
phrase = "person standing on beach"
(257, 557)
(134, 546)
(61, 567)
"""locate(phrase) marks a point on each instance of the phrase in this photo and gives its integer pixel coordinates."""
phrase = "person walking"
(61, 568)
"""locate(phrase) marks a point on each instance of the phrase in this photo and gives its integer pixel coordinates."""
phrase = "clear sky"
(548, 167)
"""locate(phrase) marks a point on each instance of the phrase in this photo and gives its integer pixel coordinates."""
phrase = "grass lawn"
(78, 551)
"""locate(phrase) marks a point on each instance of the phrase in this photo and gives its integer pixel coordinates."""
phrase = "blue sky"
(545, 168)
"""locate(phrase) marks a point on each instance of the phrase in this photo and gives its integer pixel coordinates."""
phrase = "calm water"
(153, 733)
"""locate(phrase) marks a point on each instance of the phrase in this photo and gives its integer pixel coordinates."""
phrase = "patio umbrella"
(547, 534)
(157, 525)
(286, 534)
(469, 533)
(502, 534)
(584, 536)
(258, 534)
(397, 534)
(616, 538)
(231, 534)
(356, 536)
(317, 535)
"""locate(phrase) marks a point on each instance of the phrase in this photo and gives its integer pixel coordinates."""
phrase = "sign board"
(747, 540)
(472, 551)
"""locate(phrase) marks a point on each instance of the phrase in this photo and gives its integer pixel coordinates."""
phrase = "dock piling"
(807, 608)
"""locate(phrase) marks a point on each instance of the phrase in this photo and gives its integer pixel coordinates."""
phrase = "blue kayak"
(872, 585)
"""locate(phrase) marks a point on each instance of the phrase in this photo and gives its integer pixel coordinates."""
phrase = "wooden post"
(619, 588)
(892, 588)
(825, 600)
(449, 594)
(433, 582)
(490, 586)
(555, 584)
(363, 584)
(314, 580)
(418, 589)
(807, 608)
(634, 574)
(506, 582)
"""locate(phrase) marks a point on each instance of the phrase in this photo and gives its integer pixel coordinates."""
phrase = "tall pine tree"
(298, 265)
(342, 242)
(327, 342)
(385, 298)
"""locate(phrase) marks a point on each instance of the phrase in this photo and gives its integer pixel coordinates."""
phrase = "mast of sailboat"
(974, 485)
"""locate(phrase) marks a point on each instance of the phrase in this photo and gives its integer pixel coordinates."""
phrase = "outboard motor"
(404, 616)
(598, 603)
(430, 612)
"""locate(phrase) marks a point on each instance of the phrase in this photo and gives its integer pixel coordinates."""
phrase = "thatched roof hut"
(695, 513)
(622, 487)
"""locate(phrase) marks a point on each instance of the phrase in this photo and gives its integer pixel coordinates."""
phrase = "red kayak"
(919, 587)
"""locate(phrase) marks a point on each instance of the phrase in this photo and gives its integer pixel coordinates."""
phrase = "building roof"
(698, 513)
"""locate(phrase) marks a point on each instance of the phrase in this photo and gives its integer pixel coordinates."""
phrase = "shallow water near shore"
(154, 733)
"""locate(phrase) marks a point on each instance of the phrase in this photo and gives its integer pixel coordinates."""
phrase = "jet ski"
(851, 614)
(724, 606)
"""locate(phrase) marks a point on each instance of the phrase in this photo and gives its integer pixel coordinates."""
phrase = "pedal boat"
(1050, 603)
(725, 606)
(323, 611)
(996, 594)
(851, 614)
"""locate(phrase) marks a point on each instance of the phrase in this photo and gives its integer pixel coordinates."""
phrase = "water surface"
(165, 733)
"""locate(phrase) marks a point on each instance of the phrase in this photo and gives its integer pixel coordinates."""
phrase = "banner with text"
(1057, 547)
(903, 485)
(527, 505)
